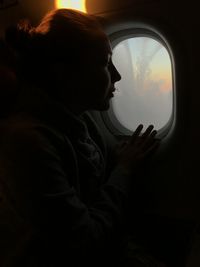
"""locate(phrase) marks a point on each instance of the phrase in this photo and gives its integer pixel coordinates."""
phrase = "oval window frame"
(108, 117)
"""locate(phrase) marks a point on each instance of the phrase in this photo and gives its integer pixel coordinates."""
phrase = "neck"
(75, 108)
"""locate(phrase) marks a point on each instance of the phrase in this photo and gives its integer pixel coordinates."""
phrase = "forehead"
(95, 47)
(101, 47)
(103, 41)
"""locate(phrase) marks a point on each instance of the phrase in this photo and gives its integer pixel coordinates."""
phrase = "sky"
(144, 94)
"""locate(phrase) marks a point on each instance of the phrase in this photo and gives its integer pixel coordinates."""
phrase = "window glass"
(144, 94)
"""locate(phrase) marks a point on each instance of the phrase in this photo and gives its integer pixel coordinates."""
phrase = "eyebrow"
(110, 55)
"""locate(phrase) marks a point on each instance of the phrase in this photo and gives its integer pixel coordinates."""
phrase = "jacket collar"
(38, 104)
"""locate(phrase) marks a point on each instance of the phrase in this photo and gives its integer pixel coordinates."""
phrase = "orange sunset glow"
(165, 78)
(74, 4)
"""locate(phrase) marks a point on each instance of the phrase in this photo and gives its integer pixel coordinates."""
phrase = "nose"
(115, 75)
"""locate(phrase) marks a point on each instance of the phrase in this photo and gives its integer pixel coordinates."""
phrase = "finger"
(151, 136)
(152, 148)
(149, 140)
(148, 131)
(122, 145)
(136, 133)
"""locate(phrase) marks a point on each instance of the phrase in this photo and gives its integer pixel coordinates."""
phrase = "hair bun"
(18, 37)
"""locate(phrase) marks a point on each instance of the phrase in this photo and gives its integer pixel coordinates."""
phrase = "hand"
(137, 148)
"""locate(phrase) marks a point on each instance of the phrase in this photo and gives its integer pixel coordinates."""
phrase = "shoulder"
(24, 130)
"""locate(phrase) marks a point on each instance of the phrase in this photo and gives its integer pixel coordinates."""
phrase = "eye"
(106, 62)
(110, 63)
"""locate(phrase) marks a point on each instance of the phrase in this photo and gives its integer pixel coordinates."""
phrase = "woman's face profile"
(91, 79)
(101, 76)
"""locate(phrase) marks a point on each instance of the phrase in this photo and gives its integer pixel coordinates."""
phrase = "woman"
(53, 154)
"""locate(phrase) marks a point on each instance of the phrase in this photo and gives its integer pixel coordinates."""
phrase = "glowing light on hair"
(74, 4)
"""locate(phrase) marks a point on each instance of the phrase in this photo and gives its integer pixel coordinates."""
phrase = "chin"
(104, 106)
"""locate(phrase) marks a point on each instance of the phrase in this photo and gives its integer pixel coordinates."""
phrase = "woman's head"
(64, 55)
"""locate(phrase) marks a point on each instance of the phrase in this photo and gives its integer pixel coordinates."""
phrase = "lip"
(111, 95)
(112, 89)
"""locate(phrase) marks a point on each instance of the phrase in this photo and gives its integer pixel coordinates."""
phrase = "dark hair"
(61, 33)
(7, 57)
(8, 79)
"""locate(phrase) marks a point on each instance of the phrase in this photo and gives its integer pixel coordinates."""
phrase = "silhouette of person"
(52, 153)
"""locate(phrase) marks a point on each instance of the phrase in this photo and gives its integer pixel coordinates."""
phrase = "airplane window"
(144, 94)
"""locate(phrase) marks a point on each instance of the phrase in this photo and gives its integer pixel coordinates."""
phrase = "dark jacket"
(53, 166)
